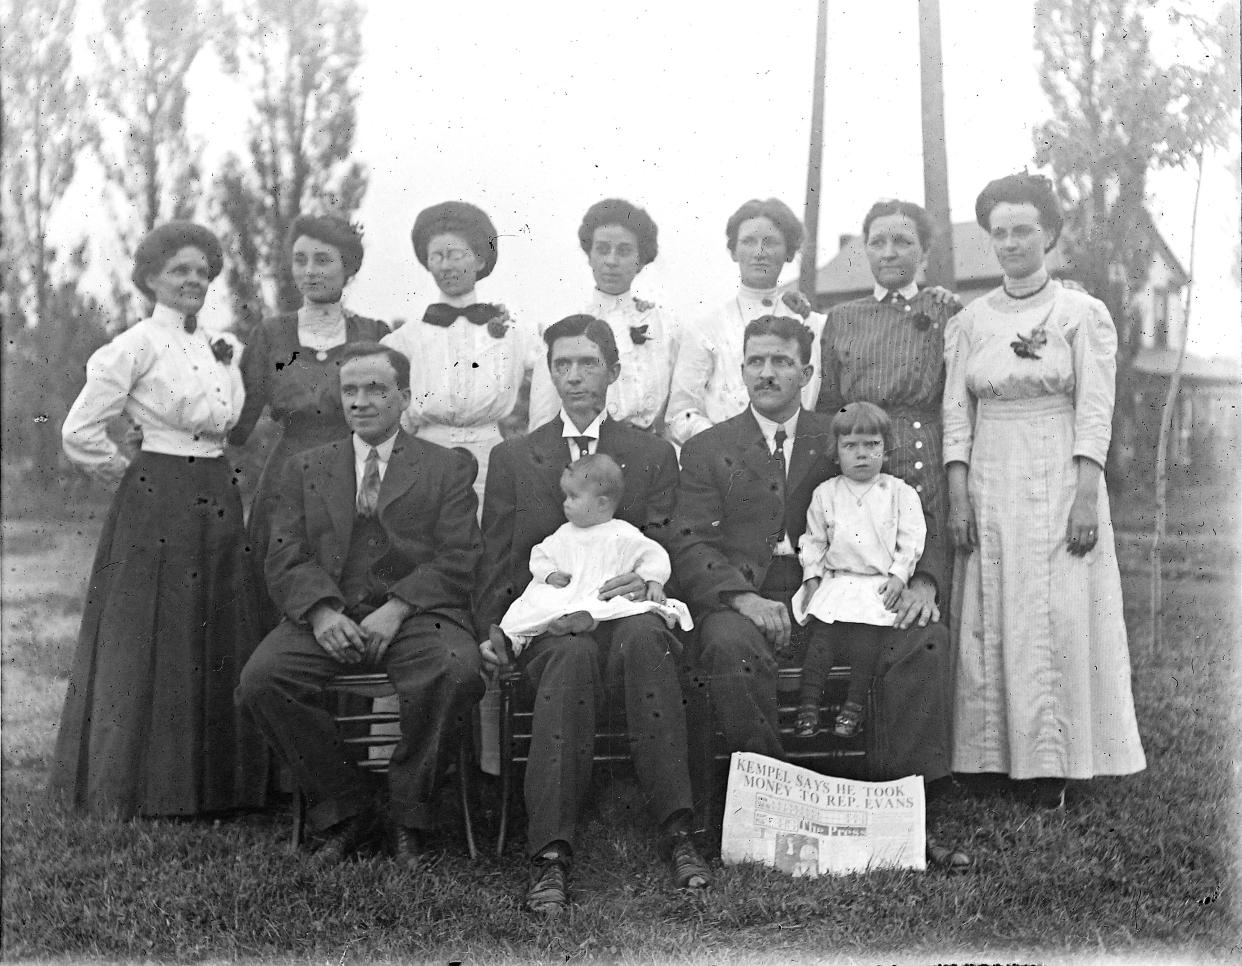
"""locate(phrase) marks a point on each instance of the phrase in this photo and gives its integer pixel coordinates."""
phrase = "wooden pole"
(815, 162)
(935, 155)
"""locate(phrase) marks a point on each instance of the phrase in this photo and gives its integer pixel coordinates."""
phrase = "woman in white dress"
(1043, 666)
(467, 358)
(707, 378)
(620, 240)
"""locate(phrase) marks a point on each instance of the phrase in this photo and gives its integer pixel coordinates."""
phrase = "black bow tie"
(443, 314)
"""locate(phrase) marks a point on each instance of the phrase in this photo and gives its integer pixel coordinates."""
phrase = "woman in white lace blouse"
(707, 380)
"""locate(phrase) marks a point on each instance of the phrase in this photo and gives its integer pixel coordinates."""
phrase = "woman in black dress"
(149, 725)
(290, 366)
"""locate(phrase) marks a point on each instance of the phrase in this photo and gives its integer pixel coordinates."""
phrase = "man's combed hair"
(602, 472)
(361, 350)
(596, 330)
(782, 327)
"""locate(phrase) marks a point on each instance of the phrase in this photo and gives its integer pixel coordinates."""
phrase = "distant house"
(1207, 429)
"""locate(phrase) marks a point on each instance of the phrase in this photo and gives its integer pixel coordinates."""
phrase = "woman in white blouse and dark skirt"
(149, 725)
(620, 240)
(467, 358)
(707, 379)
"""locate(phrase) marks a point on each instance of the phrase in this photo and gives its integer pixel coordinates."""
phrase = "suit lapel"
(807, 449)
(754, 448)
(549, 453)
(341, 492)
(402, 473)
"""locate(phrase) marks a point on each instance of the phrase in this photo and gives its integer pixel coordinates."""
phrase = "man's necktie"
(368, 493)
(584, 446)
(190, 323)
(444, 315)
(778, 454)
(895, 298)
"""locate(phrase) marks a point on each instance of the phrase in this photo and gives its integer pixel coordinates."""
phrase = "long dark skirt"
(150, 726)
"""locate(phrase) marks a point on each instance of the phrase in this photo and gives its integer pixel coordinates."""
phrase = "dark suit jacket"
(427, 510)
(731, 506)
(522, 501)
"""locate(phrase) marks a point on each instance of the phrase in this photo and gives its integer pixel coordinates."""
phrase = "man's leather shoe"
(408, 847)
(688, 869)
(343, 839)
(548, 893)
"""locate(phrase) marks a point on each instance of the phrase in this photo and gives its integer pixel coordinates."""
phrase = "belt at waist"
(1025, 408)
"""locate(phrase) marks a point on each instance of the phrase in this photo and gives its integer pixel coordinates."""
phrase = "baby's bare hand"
(558, 579)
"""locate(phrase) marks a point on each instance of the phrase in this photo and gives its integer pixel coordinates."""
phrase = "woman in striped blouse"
(887, 348)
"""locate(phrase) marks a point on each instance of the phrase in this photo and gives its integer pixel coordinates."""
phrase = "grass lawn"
(1139, 868)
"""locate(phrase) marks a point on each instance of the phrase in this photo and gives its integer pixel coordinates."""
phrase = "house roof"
(1213, 369)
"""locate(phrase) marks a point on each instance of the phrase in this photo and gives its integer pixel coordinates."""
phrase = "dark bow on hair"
(444, 315)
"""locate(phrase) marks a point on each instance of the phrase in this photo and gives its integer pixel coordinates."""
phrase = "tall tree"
(144, 55)
(43, 135)
(299, 58)
(1120, 112)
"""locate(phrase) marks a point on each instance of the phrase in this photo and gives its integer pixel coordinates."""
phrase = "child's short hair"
(863, 417)
(602, 472)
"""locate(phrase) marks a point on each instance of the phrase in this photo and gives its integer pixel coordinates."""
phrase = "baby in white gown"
(568, 567)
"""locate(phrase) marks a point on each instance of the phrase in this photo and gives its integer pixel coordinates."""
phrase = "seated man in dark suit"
(746, 484)
(372, 561)
(569, 672)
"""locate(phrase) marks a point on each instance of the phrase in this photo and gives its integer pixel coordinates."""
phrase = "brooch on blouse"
(638, 334)
(498, 325)
(1026, 346)
(643, 305)
(222, 349)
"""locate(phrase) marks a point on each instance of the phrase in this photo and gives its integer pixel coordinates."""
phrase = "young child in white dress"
(568, 567)
(865, 532)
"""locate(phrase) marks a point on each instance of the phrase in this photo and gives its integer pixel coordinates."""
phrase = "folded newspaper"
(805, 823)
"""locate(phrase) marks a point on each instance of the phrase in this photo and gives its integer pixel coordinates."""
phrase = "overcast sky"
(536, 110)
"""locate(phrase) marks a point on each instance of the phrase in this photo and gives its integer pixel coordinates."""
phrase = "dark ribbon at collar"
(444, 315)
(190, 323)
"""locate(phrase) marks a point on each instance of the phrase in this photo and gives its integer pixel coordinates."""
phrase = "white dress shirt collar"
(570, 431)
(769, 428)
(907, 292)
(362, 449)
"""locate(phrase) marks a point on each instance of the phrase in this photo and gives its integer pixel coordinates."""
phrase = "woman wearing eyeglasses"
(620, 240)
(467, 357)
(707, 383)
